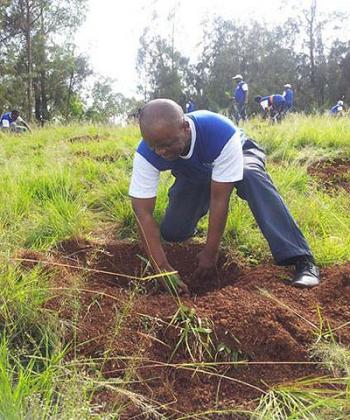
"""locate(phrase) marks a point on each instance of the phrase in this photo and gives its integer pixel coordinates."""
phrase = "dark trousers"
(189, 201)
(240, 111)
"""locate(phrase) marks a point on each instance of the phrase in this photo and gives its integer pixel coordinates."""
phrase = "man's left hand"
(206, 264)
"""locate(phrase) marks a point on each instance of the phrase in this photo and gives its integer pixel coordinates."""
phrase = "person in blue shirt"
(272, 106)
(288, 95)
(190, 106)
(337, 109)
(240, 99)
(12, 121)
(209, 157)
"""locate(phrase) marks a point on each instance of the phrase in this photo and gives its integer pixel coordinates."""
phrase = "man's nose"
(160, 150)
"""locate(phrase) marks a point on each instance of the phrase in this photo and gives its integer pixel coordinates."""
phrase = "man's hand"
(206, 264)
(173, 283)
(143, 208)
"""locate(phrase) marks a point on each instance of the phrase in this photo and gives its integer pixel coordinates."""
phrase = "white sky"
(110, 35)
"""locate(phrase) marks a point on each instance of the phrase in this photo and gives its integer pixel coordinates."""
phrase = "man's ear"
(186, 125)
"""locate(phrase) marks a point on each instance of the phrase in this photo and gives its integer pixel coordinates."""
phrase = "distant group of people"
(12, 121)
(274, 107)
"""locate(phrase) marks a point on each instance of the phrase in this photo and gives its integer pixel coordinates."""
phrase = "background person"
(272, 106)
(190, 106)
(240, 99)
(288, 95)
(208, 157)
(13, 121)
(337, 109)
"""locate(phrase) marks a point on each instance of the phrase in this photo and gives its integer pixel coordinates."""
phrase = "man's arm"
(219, 203)
(149, 231)
(150, 235)
(21, 120)
(246, 90)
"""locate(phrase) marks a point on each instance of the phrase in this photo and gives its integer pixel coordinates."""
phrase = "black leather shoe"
(307, 274)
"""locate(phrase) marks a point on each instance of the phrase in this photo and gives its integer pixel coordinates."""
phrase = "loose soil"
(333, 173)
(252, 310)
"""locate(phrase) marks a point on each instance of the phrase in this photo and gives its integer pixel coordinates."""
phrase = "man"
(240, 99)
(208, 156)
(337, 109)
(273, 105)
(288, 95)
(10, 120)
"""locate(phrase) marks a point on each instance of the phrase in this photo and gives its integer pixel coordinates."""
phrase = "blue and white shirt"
(275, 102)
(215, 153)
(336, 109)
(240, 93)
(6, 120)
(288, 95)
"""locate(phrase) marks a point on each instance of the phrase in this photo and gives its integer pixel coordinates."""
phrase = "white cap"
(340, 103)
(287, 86)
(238, 76)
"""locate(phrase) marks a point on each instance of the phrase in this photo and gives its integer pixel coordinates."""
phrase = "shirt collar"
(193, 138)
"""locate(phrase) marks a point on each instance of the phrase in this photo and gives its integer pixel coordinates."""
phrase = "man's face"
(14, 115)
(169, 142)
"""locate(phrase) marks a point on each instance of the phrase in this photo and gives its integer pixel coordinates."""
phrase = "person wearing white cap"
(240, 99)
(288, 95)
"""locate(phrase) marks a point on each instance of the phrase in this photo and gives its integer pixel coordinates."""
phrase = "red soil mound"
(258, 317)
(333, 173)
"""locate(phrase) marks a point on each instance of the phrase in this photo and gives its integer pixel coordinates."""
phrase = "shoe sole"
(304, 286)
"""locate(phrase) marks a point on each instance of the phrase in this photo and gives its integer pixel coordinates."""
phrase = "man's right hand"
(173, 283)
(143, 208)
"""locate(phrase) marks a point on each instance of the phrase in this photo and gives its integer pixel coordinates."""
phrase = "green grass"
(72, 181)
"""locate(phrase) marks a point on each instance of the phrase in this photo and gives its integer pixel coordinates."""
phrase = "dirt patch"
(254, 315)
(333, 173)
(101, 158)
(87, 138)
(121, 262)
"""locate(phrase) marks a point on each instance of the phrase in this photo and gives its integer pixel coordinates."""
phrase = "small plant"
(324, 331)
(314, 398)
(194, 334)
(334, 356)
(225, 353)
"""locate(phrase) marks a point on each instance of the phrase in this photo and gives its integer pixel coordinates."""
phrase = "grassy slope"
(54, 187)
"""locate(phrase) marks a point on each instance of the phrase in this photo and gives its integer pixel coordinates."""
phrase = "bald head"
(158, 114)
(164, 128)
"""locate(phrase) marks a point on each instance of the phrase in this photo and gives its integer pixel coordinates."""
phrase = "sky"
(111, 32)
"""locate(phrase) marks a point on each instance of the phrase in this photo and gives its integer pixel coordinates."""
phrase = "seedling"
(324, 331)
(225, 353)
(195, 334)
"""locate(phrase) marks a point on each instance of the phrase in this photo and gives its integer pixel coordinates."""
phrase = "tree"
(106, 104)
(30, 28)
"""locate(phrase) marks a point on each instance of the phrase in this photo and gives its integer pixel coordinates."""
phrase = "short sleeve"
(228, 166)
(264, 104)
(144, 178)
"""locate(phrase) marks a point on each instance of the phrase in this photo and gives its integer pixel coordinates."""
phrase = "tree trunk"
(44, 110)
(28, 38)
(312, 45)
